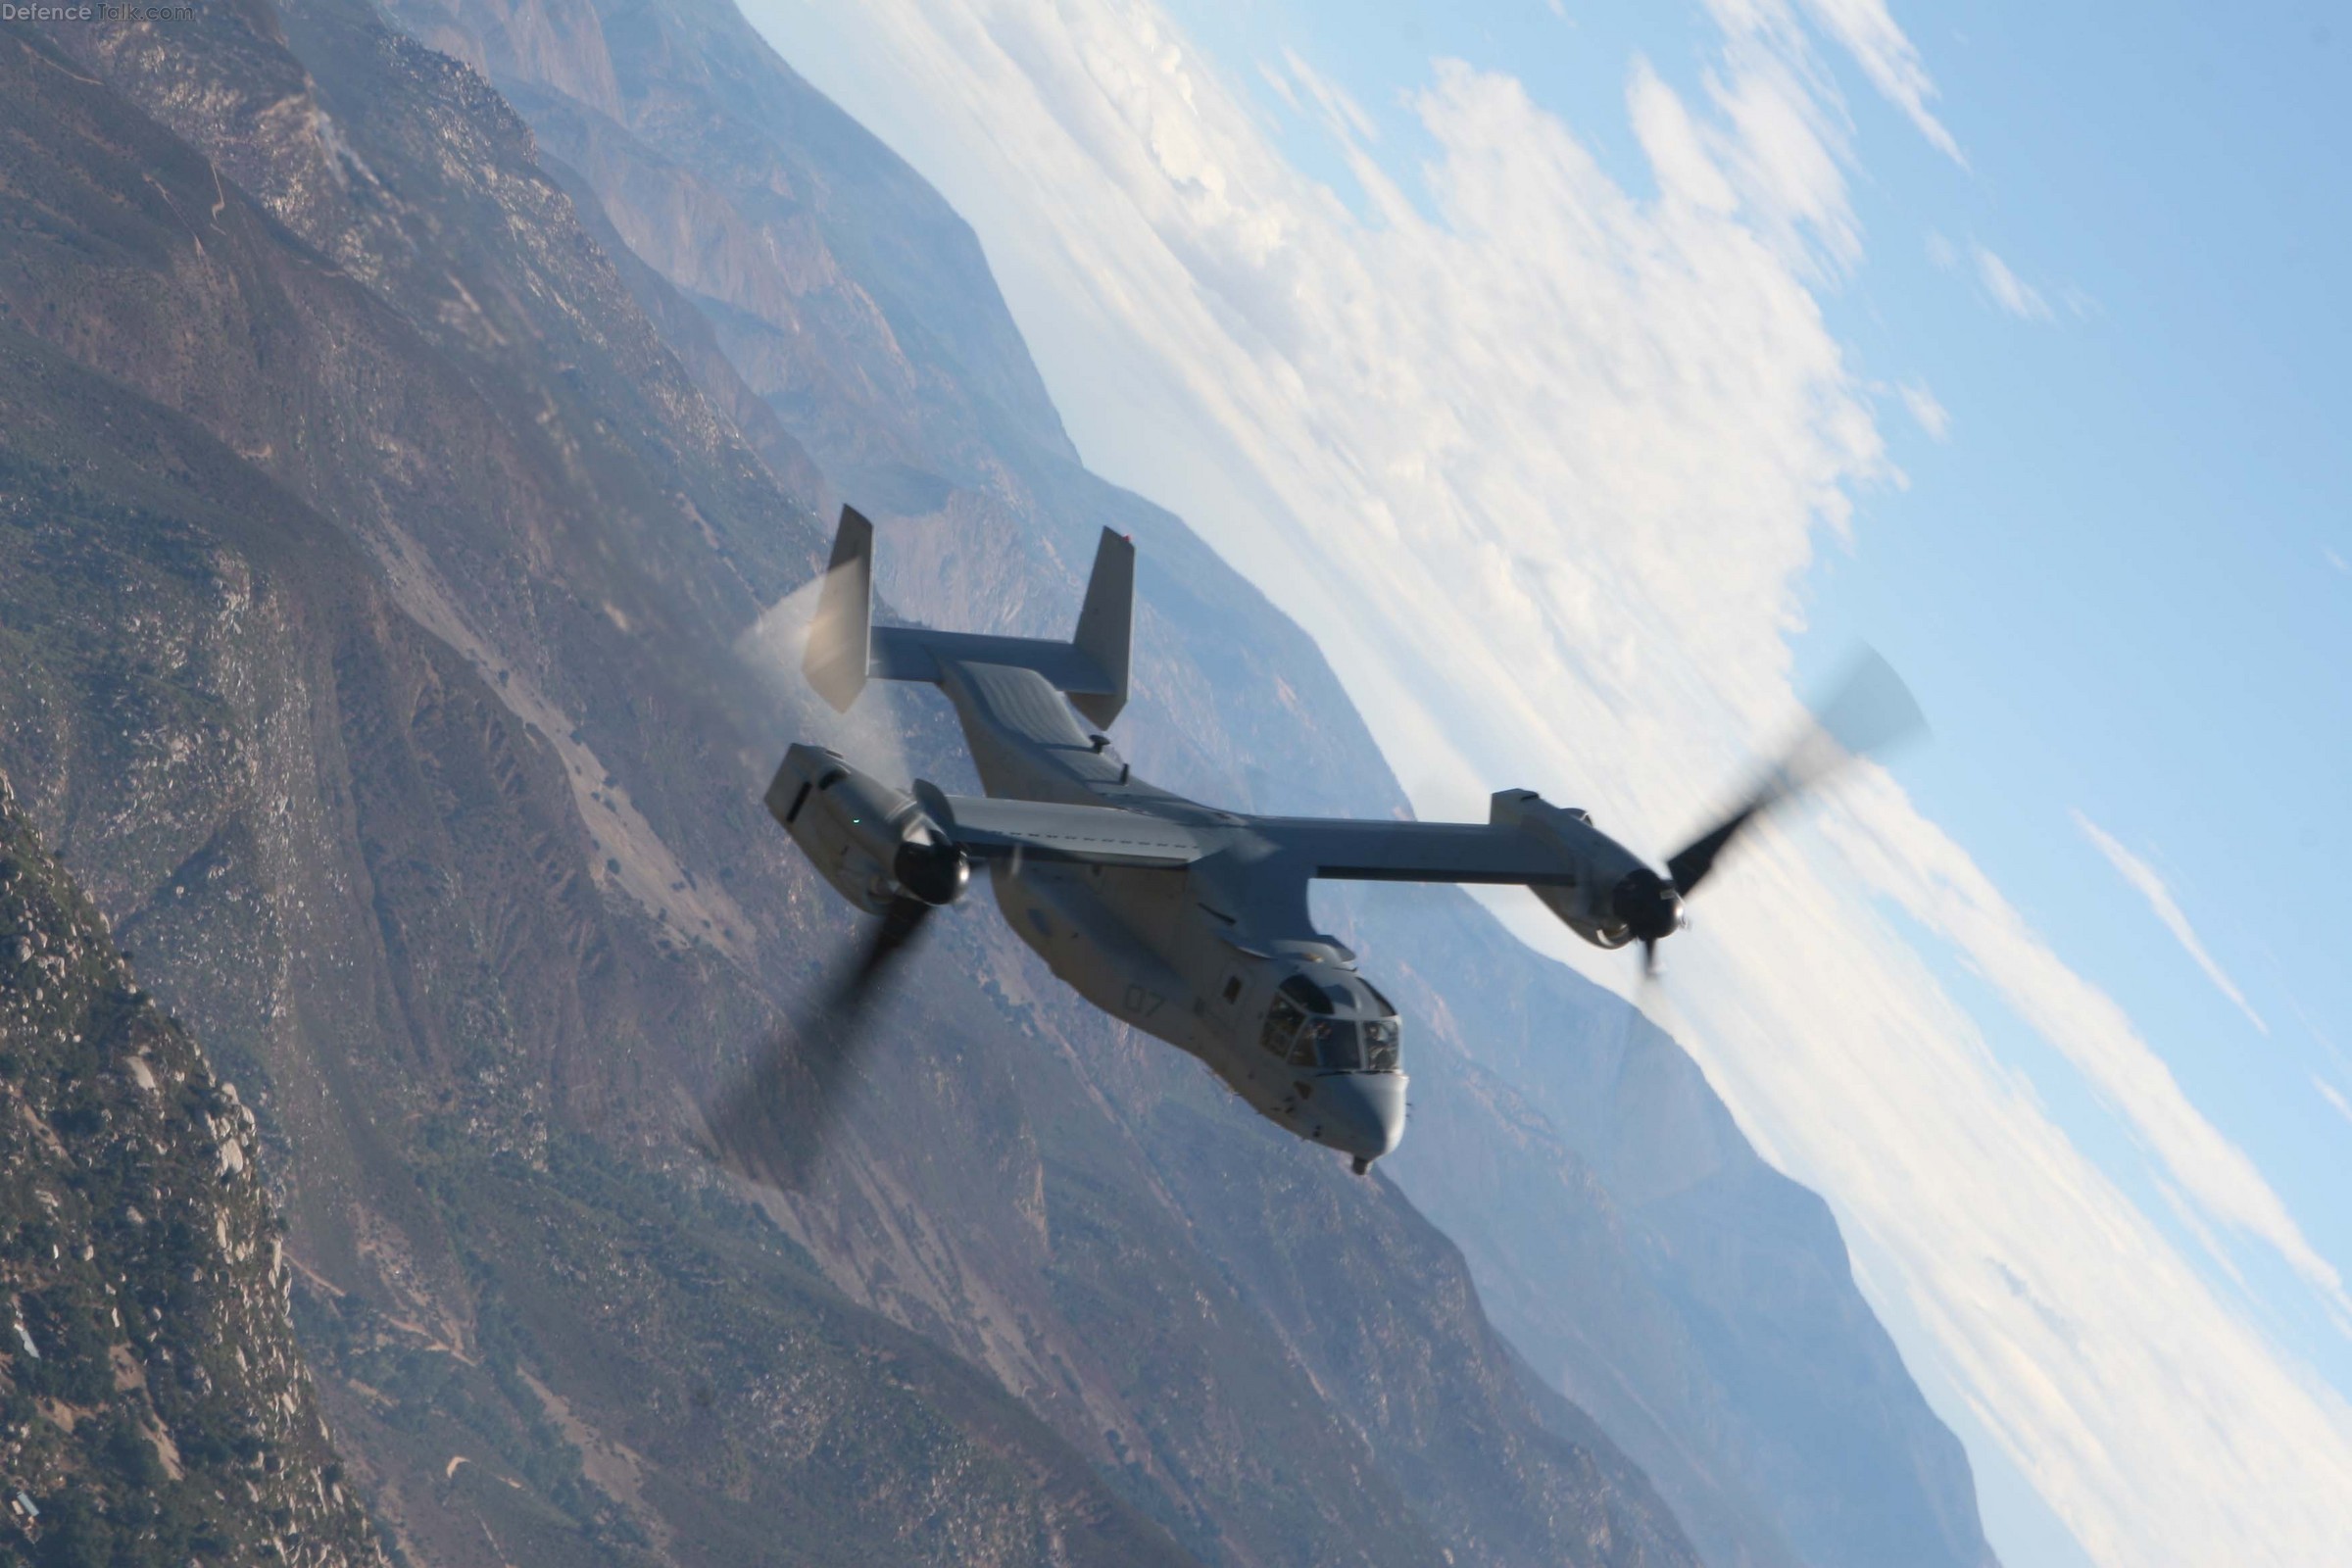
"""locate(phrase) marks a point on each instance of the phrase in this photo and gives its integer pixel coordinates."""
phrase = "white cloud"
(1889, 60)
(1578, 445)
(1779, 135)
(2009, 291)
(1930, 415)
(1281, 85)
(2335, 561)
(2078, 302)
(1341, 114)
(2146, 881)
(1910, 859)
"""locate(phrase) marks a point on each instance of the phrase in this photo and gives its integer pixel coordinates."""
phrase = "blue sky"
(2114, 583)
(1698, 344)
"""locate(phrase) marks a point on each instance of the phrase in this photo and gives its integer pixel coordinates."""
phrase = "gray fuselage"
(1219, 962)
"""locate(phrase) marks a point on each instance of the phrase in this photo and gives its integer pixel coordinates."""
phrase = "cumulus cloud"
(2146, 881)
(1540, 461)
(2009, 291)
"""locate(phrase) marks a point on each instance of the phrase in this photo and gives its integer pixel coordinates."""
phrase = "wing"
(1092, 835)
(1334, 848)
(1417, 851)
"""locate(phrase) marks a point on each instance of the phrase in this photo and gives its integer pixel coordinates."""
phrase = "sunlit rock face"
(154, 1407)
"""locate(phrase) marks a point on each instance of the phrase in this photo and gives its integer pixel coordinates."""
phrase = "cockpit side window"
(1381, 1046)
(1282, 1019)
(1302, 1050)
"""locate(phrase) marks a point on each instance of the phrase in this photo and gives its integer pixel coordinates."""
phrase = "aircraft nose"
(1363, 1113)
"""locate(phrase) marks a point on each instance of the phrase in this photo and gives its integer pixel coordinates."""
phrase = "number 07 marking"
(1142, 1004)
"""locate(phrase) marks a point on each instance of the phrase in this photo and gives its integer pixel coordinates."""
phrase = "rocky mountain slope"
(519, 1338)
(154, 1408)
(376, 561)
(1619, 1227)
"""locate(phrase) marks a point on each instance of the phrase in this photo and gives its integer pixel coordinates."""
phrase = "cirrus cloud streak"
(2146, 881)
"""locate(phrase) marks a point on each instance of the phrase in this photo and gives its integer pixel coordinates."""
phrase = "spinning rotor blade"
(776, 1121)
(899, 923)
(1689, 867)
(1872, 709)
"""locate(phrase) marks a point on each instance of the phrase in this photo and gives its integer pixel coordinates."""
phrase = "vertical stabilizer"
(1107, 624)
(840, 637)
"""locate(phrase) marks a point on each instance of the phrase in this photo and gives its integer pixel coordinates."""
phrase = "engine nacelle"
(874, 842)
(1592, 906)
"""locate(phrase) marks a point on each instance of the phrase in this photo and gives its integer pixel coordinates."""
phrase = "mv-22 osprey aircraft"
(1187, 921)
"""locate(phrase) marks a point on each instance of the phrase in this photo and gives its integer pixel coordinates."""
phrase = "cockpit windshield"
(1326, 1042)
(1305, 1029)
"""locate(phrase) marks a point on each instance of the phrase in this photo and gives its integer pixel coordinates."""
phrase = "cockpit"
(1343, 1025)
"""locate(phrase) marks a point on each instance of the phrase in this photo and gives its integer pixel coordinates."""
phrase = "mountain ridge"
(1754, 1444)
(413, 743)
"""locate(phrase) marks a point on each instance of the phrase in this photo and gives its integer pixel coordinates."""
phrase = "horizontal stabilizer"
(915, 652)
(846, 648)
